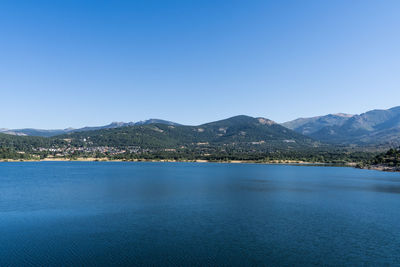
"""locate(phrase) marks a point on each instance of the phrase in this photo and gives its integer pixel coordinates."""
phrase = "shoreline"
(382, 168)
(274, 162)
(287, 162)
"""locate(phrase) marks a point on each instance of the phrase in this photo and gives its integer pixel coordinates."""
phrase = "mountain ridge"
(374, 127)
(378, 127)
(238, 132)
(55, 132)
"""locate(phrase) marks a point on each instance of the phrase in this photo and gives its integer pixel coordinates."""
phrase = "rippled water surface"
(91, 213)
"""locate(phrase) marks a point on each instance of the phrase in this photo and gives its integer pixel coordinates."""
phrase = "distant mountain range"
(239, 137)
(308, 126)
(239, 132)
(50, 133)
(375, 127)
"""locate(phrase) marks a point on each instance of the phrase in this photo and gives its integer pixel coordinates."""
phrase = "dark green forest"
(390, 158)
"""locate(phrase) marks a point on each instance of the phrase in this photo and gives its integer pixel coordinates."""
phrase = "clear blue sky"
(76, 63)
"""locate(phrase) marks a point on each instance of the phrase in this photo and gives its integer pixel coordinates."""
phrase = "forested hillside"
(236, 138)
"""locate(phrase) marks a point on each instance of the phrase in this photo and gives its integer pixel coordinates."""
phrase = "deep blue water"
(104, 214)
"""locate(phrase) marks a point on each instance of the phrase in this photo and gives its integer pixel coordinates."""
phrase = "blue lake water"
(188, 214)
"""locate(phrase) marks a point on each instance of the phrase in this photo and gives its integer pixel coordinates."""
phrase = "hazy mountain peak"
(152, 121)
(378, 126)
(395, 109)
(313, 124)
(343, 115)
(117, 124)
